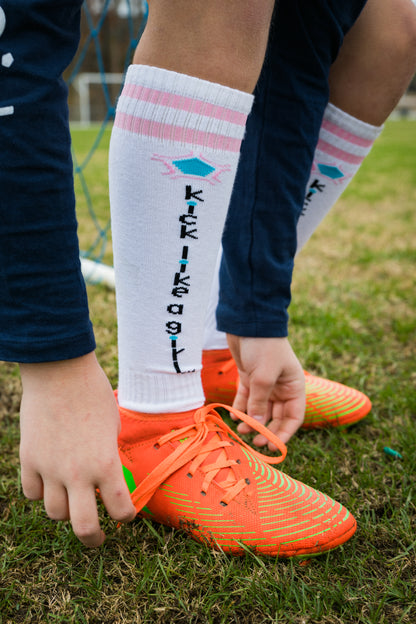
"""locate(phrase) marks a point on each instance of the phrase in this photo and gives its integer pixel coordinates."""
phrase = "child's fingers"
(84, 516)
(55, 500)
(32, 484)
(116, 498)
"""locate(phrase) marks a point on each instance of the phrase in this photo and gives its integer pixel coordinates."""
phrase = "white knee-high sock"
(173, 156)
(344, 142)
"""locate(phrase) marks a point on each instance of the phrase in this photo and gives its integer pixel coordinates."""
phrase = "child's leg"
(173, 157)
(371, 73)
(376, 62)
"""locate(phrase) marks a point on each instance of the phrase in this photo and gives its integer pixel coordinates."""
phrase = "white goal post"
(82, 85)
(97, 273)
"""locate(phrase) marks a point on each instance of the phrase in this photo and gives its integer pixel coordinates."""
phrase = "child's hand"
(272, 385)
(69, 429)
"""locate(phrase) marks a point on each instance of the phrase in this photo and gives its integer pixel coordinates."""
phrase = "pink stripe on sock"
(336, 152)
(344, 134)
(184, 103)
(168, 132)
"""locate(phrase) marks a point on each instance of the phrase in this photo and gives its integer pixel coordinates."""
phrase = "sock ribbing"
(170, 107)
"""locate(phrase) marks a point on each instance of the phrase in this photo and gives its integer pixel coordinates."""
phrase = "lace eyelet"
(223, 504)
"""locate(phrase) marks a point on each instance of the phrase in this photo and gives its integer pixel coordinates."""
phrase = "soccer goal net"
(110, 31)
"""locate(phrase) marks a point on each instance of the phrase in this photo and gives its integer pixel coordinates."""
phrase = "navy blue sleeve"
(43, 303)
(259, 240)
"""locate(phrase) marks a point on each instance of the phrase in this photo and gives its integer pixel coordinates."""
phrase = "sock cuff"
(191, 86)
(164, 105)
(153, 393)
(345, 138)
(353, 126)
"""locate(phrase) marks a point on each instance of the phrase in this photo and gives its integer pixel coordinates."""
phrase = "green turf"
(353, 319)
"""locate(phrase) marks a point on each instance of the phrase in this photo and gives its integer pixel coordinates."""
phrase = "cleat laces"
(207, 435)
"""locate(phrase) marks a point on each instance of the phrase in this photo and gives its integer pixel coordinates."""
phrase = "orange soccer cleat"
(190, 471)
(328, 403)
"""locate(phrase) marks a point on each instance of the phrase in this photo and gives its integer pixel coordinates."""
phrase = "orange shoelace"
(195, 448)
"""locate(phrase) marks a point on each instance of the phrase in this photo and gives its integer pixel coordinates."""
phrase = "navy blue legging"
(43, 304)
(259, 240)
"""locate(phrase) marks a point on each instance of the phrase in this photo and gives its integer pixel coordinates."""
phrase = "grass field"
(353, 318)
